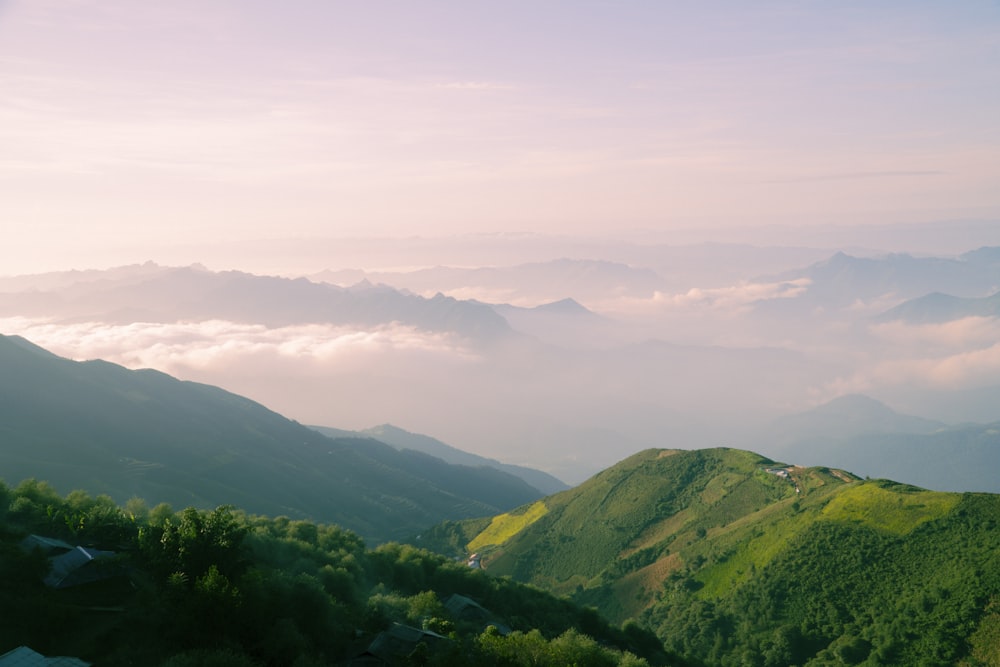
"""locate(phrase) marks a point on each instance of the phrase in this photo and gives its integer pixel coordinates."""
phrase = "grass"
(889, 510)
(505, 526)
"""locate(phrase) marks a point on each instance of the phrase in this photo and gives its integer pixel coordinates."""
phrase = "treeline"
(228, 589)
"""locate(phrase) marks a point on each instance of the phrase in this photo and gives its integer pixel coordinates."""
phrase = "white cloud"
(961, 370)
(198, 346)
(963, 333)
(732, 299)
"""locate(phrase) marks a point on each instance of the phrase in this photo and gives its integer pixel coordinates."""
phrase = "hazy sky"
(130, 127)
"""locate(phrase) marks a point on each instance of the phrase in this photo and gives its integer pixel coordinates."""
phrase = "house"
(23, 656)
(466, 609)
(72, 566)
(396, 643)
(82, 565)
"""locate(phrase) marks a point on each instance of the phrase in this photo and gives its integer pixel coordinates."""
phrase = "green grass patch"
(889, 510)
(505, 526)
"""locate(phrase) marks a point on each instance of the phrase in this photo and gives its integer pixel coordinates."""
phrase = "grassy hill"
(102, 428)
(735, 559)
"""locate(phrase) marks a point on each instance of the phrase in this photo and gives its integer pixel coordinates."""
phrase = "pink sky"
(129, 128)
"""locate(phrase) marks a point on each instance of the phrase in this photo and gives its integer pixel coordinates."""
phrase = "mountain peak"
(567, 306)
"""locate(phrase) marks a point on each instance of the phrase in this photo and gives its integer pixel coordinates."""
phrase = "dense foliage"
(225, 588)
(846, 593)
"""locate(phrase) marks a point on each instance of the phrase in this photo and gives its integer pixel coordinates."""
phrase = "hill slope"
(731, 558)
(401, 439)
(105, 429)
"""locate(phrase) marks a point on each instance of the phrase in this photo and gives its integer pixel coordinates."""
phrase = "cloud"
(200, 346)
(957, 334)
(961, 354)
(732, 299)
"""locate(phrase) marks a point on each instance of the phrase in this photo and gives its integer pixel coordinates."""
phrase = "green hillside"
(733, 559)
(105, 429)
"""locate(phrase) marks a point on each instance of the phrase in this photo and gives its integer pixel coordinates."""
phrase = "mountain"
(845, 281)
(972, 274)
(845, 416)
(565, 321)
(403, 440)
(171, 294)
(937, 308)
(863, 435)
(534, 281)
(102, 428)
(732, 558)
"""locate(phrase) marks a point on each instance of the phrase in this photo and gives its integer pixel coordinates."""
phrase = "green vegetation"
(109, 430)
(222, 587)
(893, 508)
(733, 559)
(505, 526)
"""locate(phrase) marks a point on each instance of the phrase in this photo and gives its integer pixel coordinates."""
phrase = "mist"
(564, 364)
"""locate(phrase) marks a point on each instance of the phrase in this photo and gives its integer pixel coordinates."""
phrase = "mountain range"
(535, 281)
(843, 278)
(102, 428)
(152, 293)
(570, 385)
(861, 434)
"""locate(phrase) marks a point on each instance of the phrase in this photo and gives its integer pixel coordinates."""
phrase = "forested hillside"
(733, 559)
(224, 588)
(103, 428)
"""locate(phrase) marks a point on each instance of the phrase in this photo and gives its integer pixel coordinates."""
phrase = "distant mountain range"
(151, 293)
(547, 281)
(845, 417)
(404, 440)
(102, 428)
(936, 308)
(865, 436)
(844, 281)
(842, 276)
(733, 558)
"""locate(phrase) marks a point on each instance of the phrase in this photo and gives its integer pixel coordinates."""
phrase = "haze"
(686, 173)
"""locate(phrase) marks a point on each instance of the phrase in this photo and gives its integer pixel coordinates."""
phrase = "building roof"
(68, 568)
(458, 605)
(399, 640)
(48, 545)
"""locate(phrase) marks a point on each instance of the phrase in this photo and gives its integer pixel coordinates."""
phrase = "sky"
(134, 130)
(298, 136)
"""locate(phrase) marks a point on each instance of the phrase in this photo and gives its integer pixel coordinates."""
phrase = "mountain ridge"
(103, 428)
(401, 438)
